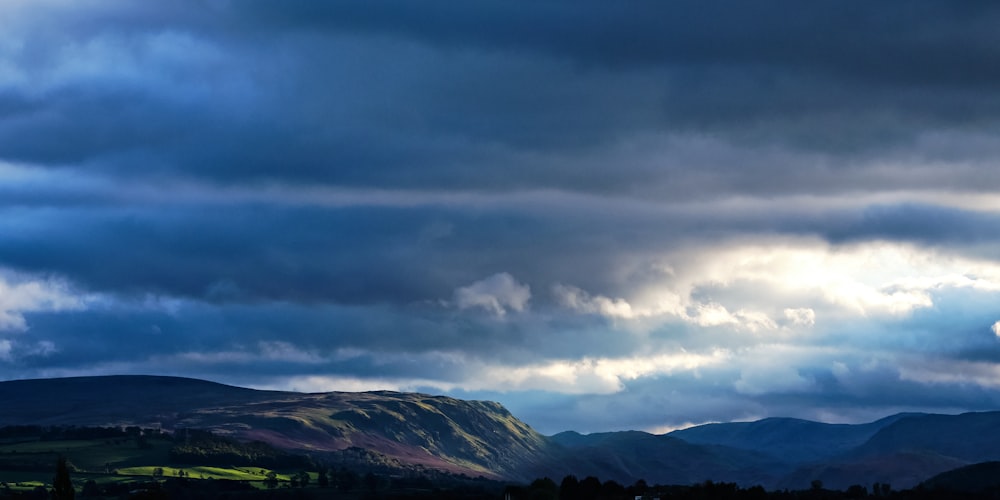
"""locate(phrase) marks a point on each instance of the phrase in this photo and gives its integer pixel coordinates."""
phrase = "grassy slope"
(92, 459)
(473, 437)
(462, 436)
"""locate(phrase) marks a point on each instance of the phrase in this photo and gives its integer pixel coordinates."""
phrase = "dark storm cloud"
(855, 36)
(730, 64)
(922, 224)
(236, 253)
(353, 254)
(258, 342)
(231, 253)
(248, 252)
(395, 94)
(260, 192)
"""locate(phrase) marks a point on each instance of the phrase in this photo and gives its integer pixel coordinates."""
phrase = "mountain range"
(482, 438)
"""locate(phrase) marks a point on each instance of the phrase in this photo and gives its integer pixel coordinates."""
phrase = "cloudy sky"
(605, 215)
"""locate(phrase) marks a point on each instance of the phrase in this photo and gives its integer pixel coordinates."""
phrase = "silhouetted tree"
(857, 491)
(569, 488)
(321, 479)
(271, 480)
(755, 493)
(90, 489)
(62, 485)
(640, 487)
(590, 488)
(347, 480)
(543, 489)
(611, 489)
(38, 493)
(371, 482)
(514, 492)
(881, 489)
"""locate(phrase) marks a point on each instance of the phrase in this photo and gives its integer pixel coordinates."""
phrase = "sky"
(604, 215)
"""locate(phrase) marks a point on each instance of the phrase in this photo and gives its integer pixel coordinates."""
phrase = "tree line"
(592, 488)
(200, 447)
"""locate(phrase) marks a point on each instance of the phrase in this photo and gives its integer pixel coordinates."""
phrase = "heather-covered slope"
(473, 437)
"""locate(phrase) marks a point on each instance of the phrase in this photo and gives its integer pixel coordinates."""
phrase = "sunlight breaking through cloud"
(760, 286)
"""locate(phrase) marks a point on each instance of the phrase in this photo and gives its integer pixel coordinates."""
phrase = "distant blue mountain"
(791, 439)
(901, 450)
(631, 455)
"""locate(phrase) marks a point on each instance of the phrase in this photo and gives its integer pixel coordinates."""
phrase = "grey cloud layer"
(493, 97)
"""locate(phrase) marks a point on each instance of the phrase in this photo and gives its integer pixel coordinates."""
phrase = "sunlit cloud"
(576, 377)
(761, 285)
(590, 375)
(581, 301)
(800, 316)
(25, 294)
(323, 383)
(497, 294)
(13, 350)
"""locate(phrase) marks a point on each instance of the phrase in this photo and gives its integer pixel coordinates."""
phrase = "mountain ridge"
(418, 429)
(797, 439)
(482, 438)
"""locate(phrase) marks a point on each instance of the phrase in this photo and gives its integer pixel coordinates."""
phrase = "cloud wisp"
(496, 294)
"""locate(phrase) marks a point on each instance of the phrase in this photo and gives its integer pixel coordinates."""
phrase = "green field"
(27, 464)
(205, 472)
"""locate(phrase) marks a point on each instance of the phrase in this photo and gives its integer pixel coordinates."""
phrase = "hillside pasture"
(253, 474)
(29, 463)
